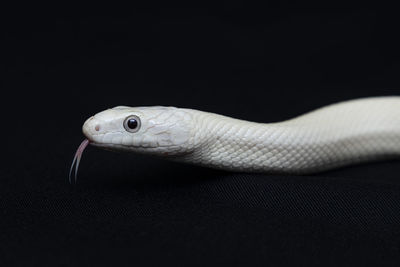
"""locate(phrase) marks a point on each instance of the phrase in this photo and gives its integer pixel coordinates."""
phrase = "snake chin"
(170, 151)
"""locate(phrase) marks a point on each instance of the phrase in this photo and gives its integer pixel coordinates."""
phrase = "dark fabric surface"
(250, 62)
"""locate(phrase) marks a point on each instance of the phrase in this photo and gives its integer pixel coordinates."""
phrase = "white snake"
(346, 133)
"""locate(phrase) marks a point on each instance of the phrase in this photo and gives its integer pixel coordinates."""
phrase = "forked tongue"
(77, 159)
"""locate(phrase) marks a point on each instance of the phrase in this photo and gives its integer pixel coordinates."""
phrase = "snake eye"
(132, 124)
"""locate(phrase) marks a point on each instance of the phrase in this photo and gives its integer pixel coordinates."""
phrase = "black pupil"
(132, 123)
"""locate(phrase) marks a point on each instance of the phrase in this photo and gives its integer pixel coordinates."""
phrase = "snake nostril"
(97, 128)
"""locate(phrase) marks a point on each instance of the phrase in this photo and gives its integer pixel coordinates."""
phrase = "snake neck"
(334, 136)
(225, 143)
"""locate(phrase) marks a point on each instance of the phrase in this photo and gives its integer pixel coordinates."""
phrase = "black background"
(251, 62)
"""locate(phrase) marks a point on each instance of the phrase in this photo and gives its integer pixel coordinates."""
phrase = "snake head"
(151, 130)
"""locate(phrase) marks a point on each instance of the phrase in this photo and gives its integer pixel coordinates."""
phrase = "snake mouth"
(112, 147)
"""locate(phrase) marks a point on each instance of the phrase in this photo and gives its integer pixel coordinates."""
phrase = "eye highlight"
(132, 123)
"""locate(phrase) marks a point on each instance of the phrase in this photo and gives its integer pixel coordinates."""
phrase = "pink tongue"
(77, 159)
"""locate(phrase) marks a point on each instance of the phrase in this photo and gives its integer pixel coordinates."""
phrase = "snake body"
(337, 135)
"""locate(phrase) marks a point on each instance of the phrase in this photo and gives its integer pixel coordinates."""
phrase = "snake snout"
(90, 128)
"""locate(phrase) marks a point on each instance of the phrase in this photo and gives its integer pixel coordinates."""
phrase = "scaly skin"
(337, 135)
